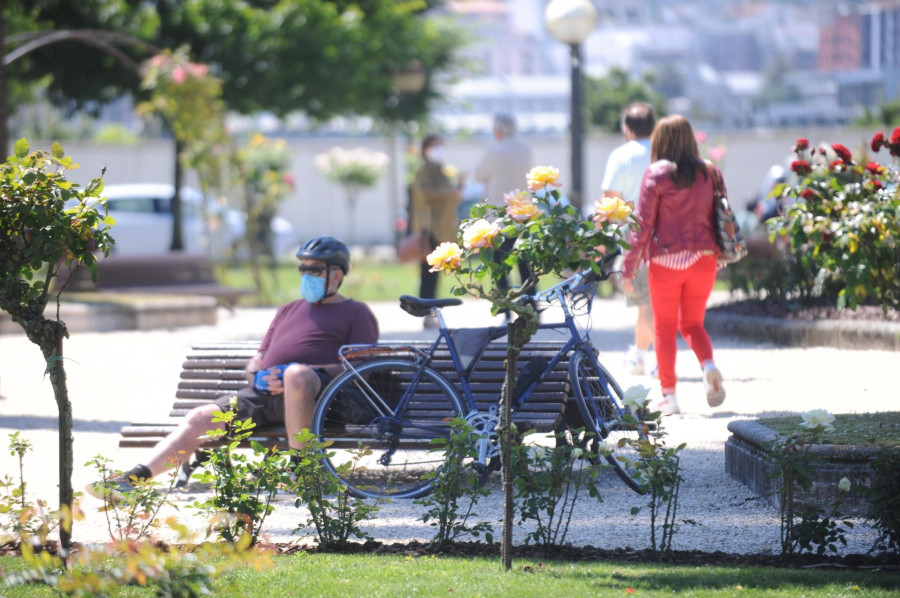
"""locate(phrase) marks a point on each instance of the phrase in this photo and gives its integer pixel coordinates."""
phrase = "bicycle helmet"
(327, 249)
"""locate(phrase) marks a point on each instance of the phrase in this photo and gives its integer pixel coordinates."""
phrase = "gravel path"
(122, 377)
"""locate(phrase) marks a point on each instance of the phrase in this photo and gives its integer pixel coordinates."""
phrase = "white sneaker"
(667, 405)
(715, 392)
(634, 365)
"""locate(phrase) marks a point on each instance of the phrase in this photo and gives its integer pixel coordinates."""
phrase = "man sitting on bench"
(296, 360)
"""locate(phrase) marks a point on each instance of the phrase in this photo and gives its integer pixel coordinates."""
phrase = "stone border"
(748, 462)
(161, 311)
(842, 334)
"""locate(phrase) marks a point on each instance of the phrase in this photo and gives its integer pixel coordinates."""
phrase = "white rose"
(844, 485)
(818, 419)
(604, 449)
(576, 453)
(634, 397)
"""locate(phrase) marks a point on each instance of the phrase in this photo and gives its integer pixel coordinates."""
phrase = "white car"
(143, 215)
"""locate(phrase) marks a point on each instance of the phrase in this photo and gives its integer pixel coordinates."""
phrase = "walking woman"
(677, 239)
(434, 208)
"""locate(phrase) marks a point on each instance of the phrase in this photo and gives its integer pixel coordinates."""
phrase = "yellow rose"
(541, 176)
(445, 256)
(519, 206)
(479, 234)
(451, 172)
(614, 210)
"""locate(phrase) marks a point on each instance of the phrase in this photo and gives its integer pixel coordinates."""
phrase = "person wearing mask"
(297, 358)
(434, 206)
(677, 238)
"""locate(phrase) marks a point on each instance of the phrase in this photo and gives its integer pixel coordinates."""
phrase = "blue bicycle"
(392, 401)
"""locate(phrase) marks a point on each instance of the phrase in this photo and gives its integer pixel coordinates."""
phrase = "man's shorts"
(263, 408)
(641, 294)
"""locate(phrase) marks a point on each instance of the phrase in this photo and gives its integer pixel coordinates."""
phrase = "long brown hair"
(673, 139)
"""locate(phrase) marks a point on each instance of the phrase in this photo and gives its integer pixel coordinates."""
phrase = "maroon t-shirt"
(305, 333)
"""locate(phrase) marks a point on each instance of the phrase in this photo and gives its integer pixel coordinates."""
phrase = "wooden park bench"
(213, 369)
(170, 274)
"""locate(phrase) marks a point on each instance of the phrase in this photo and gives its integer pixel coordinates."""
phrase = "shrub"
(334, 512)
(457, 488)
(842, 221)
(884, 500)
(548, 482)
(243, 486)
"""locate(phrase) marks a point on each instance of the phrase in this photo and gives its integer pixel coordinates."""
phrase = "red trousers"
(679, 301)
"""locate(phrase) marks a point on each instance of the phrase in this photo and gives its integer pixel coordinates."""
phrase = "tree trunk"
(506, 436)
(49, 335)
(519, 333)
(177, 234)
(4, 99)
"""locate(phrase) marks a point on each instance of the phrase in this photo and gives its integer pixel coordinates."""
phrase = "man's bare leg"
(184, 440)
(643, 328)
(301, 387)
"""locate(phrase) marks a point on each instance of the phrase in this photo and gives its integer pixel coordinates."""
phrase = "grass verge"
(318, 574)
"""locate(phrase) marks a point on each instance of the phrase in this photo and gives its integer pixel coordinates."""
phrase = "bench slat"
(214, 368)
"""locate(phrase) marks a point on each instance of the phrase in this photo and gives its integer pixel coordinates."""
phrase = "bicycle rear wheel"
(379, 407)
(599, 400)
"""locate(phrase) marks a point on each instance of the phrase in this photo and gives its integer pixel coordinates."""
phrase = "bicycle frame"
(553, 295)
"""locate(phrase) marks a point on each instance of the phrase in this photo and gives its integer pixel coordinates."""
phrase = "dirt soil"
(822, 310)
(885, 561)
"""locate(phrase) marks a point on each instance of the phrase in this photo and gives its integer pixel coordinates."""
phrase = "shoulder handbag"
(414, 248)
(728, 234)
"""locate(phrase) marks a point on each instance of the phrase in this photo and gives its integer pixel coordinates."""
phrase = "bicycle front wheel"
(599, 400)
(392, 409)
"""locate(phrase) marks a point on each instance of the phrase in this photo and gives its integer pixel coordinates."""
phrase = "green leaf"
(21, 148)
(57, 150)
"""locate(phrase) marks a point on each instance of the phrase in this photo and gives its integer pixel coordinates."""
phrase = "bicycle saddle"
(416, 306)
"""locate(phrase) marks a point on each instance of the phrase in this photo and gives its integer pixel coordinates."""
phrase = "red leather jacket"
(672, 219)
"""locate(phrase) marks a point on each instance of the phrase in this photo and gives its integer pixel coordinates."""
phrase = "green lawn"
(309, 575)
(370, 279)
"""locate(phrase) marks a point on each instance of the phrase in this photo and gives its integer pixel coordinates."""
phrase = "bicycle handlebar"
(580, 278)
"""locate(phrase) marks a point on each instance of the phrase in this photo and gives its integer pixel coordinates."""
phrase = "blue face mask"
(312, 288)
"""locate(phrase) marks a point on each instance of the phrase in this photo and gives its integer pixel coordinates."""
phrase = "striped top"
(681, 260)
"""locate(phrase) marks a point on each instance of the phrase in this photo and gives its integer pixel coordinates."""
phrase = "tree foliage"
(47, 223)
(604, 97)
(320, 57)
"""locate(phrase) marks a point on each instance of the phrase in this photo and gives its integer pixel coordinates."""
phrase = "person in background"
(435, 198)
(677, 238)
(296, 360)
(622, 178)
(502, 170)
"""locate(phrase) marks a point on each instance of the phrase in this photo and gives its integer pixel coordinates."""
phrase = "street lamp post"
(408, 82)
(571, 21)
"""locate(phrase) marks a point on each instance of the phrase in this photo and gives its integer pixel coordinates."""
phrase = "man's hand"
(275, 379)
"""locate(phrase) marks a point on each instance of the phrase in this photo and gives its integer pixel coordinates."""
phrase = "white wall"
(318, 206)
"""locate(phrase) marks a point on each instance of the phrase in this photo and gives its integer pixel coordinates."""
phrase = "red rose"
(801, 167)
(801, 144)
(895, 137)
(836, 164)
(877, 141)
(842, 152)
(807, 193)
(874, 168)
(876, 184)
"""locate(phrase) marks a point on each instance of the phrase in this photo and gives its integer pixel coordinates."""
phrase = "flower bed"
(748, 459)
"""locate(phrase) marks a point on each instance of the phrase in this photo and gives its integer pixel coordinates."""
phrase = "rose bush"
(842, 221)
(551, 238)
